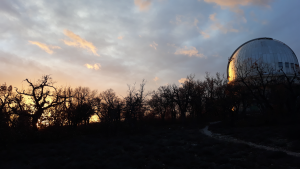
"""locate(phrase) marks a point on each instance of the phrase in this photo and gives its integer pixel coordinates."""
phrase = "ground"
(280, 136)
(171, 146)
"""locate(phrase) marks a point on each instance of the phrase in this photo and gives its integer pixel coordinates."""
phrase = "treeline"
(272, 94)
(44, 104)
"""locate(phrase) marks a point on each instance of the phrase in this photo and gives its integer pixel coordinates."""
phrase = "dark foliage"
(45, 114)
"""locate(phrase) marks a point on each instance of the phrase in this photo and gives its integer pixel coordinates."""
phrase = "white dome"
(266, 50)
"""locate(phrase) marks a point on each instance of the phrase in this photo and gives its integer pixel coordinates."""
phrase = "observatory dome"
(266, 50)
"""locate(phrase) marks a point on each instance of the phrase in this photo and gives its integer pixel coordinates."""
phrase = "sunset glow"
(77, 41)
(45, 47)
(94, 119)
(102, 46)
(149, 84)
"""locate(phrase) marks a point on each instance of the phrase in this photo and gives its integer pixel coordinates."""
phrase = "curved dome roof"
(267, 50)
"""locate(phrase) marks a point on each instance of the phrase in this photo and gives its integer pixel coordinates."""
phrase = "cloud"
(233, 5)
(205, 35)
(196, 22)
(223, 28)
(182, 80)
(120, 37)
(254, 17)
(96, 66)
(185, 20)
(46, 48)
(172, 45)
(156, 79)
(143, 4)
(154, 45)
(77, 41)
(191, 51)
(178, 20)
(218, 26)
(190, 22)
(213, 17)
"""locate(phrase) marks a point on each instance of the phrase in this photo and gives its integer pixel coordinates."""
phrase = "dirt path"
(234, 140)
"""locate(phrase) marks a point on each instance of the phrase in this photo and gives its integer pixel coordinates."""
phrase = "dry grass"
(169, 146)
(284, 136)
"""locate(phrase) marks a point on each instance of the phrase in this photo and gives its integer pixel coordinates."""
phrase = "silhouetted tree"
(197, 98)
(111, 106)
(20, 113)
(5, 99)
(224, 104)
(135, 103)
(83, 101)
(257, 77)
(182, 95)
(43, 96)
(168, 94)
(209, 95)
(290, 82)
(157, 105)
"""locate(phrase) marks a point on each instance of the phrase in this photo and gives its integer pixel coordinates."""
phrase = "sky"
(111, 44)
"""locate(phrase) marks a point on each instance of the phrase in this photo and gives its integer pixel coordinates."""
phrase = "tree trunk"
(163, 116)
(34, 123)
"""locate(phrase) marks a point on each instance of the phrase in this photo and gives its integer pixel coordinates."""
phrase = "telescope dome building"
(268, 51)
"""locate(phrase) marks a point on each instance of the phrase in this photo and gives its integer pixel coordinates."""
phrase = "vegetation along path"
(235, 140)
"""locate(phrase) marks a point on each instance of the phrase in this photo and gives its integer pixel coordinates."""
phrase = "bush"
(276, 154)
(294, 146)
(293, 133)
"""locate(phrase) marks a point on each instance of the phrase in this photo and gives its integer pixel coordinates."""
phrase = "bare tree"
(290, 82)
(20, 112)
(168, 94)
(257, 76)
(97, 106)
(135, 103)
(5, 99)
(83, 105)
(111, 106)
(43, 95)
(197, 100)
(209, 95)
(157, 104)
(182, 95)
